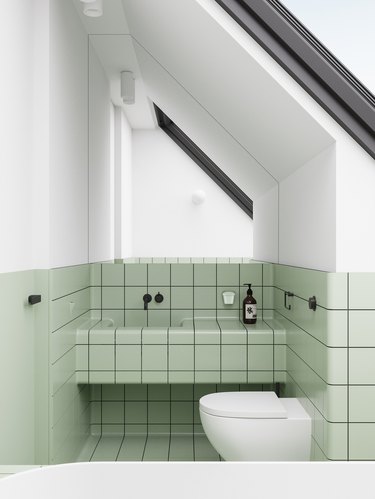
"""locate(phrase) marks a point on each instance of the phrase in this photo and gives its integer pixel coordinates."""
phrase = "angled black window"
(204, 162)
(310, 63)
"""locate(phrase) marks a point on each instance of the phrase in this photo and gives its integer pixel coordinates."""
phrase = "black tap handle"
(159, 298)
(146, 300)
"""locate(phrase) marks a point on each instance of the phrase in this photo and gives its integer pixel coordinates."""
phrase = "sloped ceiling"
(191, 59)
(188, 41)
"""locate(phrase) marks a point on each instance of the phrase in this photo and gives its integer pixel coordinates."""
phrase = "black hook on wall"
(287, 294)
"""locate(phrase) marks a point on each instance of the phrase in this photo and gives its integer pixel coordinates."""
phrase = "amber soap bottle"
(249, 307)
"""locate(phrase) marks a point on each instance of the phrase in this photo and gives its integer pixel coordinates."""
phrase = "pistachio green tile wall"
(190, 289)
(23, 369)
(69, 402)
(330, 357)
(153, 409)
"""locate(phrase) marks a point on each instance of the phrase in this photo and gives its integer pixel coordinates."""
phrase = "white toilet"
(256, 426)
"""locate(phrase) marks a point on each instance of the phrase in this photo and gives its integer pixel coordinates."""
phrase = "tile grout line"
(348, 366)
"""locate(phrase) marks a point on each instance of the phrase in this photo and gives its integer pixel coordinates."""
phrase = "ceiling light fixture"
(92, 8)
(127, 87)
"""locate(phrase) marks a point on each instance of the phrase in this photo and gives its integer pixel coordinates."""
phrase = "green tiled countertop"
(203, 350)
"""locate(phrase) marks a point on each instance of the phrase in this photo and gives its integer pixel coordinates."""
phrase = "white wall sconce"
(198, 197)
(127, 87)
(92, 8)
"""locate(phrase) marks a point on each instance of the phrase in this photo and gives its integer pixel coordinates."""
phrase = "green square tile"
(135, 392)
(154, 357)
(181, 357)
(96, 413)
(124, 377)
(128, 357)
(154, 377)
(158, 412)
(234, 376)
(155, 335)
(101, 376)
(181, 376)
(201, 390)
(135, 412)
(260, 357)
(165, 292)
(95, 274)
(280, 357)
(220, 300)
(82, 354)
(96, 297)
(159, 318)
(267, 274)
(362, 441)
(182, 297)
(117, 316)
(101, 357)
(362, 366)
(113, 393)
(228, 274)
(113, 298)
(135, 318)
(361, 290)
(233, 357)
(207, 357)
(362, 404)
(113, 412)
(128, 336)
(136, 274)
(207, 377)
(159, 392)
(205, 298)
(177, 316)
(336, 365)
(362, 328)
(159, 274)
(335, 440)
(112, 274)
(182, 392)
(205, 274)
(182, 274)
(255, 377)
(251, 273)
(134, 297)
(181, 412)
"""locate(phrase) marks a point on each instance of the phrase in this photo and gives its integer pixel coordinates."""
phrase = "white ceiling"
(205, 77)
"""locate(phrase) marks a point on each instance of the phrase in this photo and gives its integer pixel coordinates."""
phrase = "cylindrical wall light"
(127, 87)
(92, 8)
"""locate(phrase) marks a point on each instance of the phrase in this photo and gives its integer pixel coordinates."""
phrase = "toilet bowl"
(256, 426)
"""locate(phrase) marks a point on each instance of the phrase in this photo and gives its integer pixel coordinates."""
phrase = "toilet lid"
(243, 405)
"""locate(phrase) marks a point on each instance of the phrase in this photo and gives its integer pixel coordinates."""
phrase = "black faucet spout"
(146, 300)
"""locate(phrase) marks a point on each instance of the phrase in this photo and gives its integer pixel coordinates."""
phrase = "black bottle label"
(250, 311)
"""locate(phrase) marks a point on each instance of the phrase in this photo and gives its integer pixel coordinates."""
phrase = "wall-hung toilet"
(256, 426)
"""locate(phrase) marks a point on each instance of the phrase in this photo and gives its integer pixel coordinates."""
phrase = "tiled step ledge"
(199, 351)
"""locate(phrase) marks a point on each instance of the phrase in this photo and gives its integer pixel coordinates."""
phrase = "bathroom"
(92, 226)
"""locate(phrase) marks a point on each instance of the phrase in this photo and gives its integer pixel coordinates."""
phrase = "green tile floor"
(149, 447)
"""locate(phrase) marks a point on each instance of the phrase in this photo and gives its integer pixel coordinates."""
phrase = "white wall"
(123, 186)
(266, 226)
(68, 137)
(165, 221)
(307, 214)
(16, 125)
(355, 179)
(101, 207)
